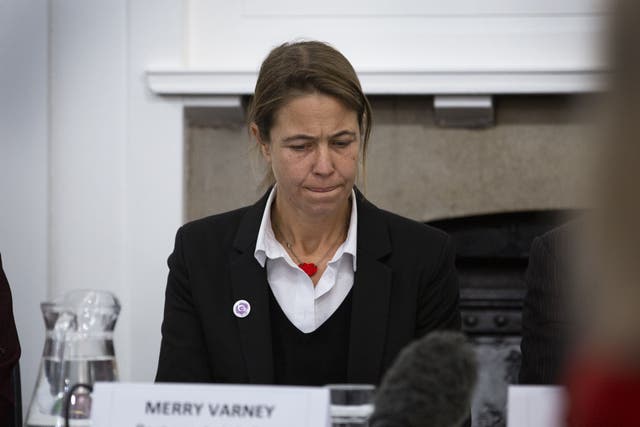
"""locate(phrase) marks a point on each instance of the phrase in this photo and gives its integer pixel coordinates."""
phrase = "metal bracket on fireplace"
(455, 111)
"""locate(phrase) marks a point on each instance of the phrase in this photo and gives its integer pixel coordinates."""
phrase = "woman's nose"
(323, 163)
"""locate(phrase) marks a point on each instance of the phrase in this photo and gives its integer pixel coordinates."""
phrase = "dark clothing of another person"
(9, 348)
(545, 315)
(316, 358)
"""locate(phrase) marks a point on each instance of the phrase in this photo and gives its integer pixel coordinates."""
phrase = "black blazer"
(405, 286)
(546, 324)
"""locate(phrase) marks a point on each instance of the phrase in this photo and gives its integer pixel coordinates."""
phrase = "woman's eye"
(342, 143)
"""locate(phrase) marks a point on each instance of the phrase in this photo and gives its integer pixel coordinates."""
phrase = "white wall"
(90, 164)
(24, 170)
(406, 35)
(116, 162)
(88, 153)
(154, 174)
(408, 47)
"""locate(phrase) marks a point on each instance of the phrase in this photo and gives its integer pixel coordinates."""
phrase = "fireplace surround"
(536, 157)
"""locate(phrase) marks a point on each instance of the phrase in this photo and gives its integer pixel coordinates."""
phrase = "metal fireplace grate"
(492, 255)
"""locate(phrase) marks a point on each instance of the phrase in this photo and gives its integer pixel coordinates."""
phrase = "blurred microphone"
(429, 384)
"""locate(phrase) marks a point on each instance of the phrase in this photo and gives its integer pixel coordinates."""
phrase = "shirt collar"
(267, 246)
(263, 247)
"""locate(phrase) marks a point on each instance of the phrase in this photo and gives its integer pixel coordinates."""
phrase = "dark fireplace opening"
(492, 252)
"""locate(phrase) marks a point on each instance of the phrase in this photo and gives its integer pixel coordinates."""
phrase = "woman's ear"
(266, 152)
(265, 148)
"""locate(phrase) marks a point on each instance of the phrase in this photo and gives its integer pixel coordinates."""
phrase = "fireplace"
(492, 254)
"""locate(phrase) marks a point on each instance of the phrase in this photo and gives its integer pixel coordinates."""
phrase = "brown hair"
(297, 68)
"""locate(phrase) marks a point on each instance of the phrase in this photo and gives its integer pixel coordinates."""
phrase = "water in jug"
(78, 349)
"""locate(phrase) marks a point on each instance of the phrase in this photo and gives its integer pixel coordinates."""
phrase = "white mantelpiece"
(408, 47)
(217, 83)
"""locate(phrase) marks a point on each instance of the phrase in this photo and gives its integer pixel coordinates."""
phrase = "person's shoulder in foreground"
(545, 316)
(9, 347)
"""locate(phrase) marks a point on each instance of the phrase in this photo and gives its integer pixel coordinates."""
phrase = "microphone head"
(429, 384)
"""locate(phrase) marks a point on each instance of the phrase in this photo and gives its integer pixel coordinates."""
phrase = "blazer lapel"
(371, 292)
(249, 282)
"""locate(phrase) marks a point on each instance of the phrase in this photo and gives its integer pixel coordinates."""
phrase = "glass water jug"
(78, 349)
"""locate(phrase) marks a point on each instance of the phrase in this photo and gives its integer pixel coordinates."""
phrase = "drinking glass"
(351, 404)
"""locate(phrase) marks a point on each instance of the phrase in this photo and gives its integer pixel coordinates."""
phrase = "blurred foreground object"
(604, 383)
(603, 394)
(78, 349)
(430, 384)
(9, 350)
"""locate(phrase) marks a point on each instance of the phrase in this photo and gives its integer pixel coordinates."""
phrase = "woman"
(312, 284)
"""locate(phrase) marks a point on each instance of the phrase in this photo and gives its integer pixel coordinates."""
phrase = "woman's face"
(313, 151)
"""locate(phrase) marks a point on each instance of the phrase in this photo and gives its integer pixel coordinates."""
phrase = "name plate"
(536, 406)
(203, 405)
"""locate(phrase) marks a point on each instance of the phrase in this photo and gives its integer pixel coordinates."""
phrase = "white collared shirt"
(307, 306)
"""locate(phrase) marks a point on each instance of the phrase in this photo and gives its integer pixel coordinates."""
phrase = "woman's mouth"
(322, 189)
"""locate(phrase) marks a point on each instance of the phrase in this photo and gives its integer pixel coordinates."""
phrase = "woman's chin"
(325, 202)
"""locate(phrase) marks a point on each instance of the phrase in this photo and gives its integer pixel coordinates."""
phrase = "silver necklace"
(310, 268)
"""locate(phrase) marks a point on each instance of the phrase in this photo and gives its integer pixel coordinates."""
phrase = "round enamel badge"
(241, 308)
